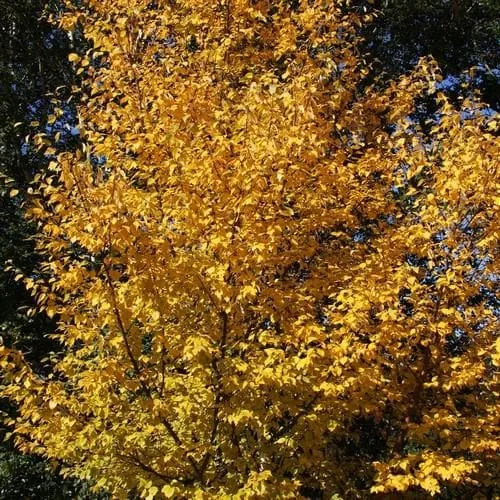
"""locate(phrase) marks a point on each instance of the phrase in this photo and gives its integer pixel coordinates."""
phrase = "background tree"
(459, 34)
(33, 63)
(265, 283)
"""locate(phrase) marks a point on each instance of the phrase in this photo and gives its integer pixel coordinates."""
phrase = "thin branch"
(134, 460)
(217, 386)
(207, 292)
(137, 369)
(295, 419)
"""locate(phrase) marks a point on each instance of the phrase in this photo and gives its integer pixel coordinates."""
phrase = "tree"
(266, 284)
(30, 478)
(24, 78)
(33, 62)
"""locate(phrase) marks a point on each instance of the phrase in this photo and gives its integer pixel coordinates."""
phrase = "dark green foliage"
(33, 63)
(15, 326)
(459, 34)
(32, 478)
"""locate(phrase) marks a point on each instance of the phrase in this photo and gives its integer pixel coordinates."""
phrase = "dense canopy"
(270, 280)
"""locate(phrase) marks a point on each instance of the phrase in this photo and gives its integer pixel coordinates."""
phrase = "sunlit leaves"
(258, 273)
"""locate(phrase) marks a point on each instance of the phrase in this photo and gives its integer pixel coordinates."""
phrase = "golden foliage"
(252, 262)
